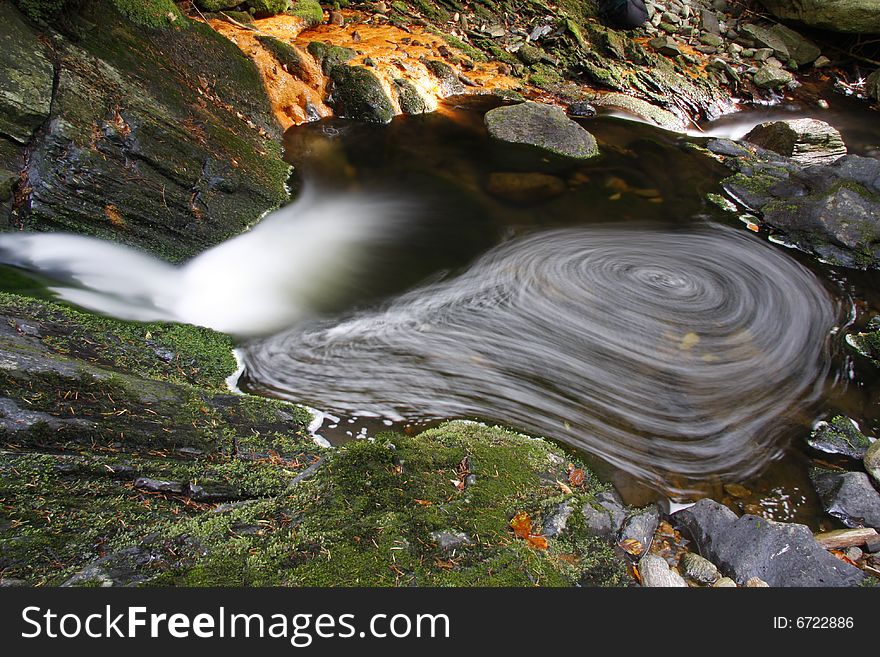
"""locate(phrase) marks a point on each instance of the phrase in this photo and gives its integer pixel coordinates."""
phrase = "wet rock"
(605, 515)
(727, 147)
(640, 108)
(330, 56)
(665, 46)
(782, 554)
(855, 16)
(159, 486)
(849, 497)
(556, 521)
(872, 85)
(26, 77)
(450, 540)
(772, 77)
(542, 126)
(804, 140)
(582, 109)
(699, 569)
(450, 85)
(872, 461)
(356, 93)
(641, 527)
(840, 436)
(409, 98)
(800, 49)
(656, 573)
(525, 187)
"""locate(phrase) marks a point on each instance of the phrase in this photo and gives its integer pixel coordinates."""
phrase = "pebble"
(656, 573)
(699, 568)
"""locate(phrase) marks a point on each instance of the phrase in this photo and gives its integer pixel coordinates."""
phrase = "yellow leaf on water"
(632, 546)
(689, 341)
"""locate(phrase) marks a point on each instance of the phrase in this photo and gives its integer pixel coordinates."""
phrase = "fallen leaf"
(538, 542)
(565, 489)
(521, 525)
(423, 502)
(576, 477)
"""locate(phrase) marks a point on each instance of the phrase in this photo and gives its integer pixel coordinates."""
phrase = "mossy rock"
(409, 98)
(285, 54)
(310, 10)
(839, 436)
(381, 513)
(356, 93)
(330, 56)
(541, 126)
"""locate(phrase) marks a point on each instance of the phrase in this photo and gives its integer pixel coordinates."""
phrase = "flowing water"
(428, 274)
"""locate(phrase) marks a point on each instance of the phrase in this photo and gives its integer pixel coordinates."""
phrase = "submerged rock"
(840, 436)
(781, 554)
(542, 126)
(808, 141)
(526, 187)
(849, 497)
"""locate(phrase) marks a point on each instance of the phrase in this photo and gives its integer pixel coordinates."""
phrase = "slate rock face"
(855, 16)
(808, 141)
(781, 554)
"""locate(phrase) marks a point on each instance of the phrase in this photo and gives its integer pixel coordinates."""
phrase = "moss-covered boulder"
(541, 126)
(356, 93)
(856, 16)
(160, 133)
(310, 10)
(330, 56)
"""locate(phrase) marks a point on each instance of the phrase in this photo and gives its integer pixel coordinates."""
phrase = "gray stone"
(665, 46)
(840, 436)
(772, 77)
(656, 573)
(727, 147)
(782, 554)
(641, 527)
(159, 486)
(556, 521)
(699, 568)
(849, 497)
(854, 16)
(26, 77)
(872, 461)
(709, 21)
(605, 516)
(542, 126)
(11, 582)
(450, 540)
(809, 141)
(767, 39)
(800, 49)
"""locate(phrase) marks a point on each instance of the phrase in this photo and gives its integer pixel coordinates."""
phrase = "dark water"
(614, 310)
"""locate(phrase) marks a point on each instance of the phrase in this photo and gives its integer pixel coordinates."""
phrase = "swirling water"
(659, 351)
(619, 313)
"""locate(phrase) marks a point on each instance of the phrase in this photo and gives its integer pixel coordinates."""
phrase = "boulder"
(767, 38)
(849, 497)
(781, 554)
(26, 77)
(542, 126)
(356, 93)
(800, 49)
(772, 77)
(872, 86)
(804, 140)
(854, 16)
(840, 436)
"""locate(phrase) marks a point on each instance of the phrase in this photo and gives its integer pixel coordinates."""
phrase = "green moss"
(356, 93)
(151, 13)
(40, 10)
(265, 8)
(284, 53)
(328, 55)
(309, 10)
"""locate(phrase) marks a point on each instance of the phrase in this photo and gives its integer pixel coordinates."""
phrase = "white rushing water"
(259, 282)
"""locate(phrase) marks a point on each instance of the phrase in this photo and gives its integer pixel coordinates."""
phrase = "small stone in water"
(699, 569)
(736, 490)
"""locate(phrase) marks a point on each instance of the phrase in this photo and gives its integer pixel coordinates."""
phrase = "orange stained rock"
(395, 53)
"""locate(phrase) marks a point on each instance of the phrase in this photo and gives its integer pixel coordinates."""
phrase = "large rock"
(832, 211)
(804, 140)
(772, 77)
(872, 85)
(542, 126)
(849, 497)
(161, 138)
(858, 16)
(355, 93)
(872, 461)
(26, 76)
(781, 554)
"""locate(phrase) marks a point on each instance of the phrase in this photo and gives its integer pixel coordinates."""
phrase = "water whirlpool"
(674, 356)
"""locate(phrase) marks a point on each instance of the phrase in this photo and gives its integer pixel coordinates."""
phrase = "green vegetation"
(308, 9)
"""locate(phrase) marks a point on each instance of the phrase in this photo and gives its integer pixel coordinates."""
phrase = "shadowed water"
(658, 351)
